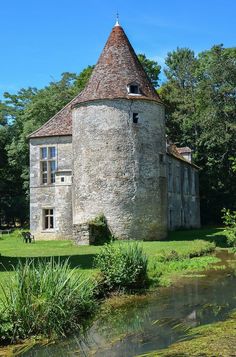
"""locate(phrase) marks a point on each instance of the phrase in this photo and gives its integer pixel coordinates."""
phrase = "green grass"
(184, 252)
(210, 234)
(190, 247)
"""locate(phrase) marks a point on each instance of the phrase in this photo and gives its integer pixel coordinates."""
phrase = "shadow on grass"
(215, 235)
(76, 261)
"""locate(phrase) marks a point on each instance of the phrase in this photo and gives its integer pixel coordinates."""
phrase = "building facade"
(105, 153)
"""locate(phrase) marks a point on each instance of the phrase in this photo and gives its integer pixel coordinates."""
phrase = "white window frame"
(47, 216)
(135, 84)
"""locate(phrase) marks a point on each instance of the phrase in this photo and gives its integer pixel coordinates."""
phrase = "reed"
(48, 299)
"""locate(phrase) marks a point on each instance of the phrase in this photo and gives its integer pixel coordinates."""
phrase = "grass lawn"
(190, 247)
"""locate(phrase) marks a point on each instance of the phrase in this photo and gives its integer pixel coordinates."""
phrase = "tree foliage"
(151, 67)
(200, 98)
(20, 115)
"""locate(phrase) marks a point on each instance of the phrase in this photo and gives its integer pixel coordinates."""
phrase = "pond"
(156, 321)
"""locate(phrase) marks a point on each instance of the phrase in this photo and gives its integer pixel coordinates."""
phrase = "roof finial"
(117, 19)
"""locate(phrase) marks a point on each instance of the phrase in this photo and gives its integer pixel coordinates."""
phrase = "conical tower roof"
(117, 67)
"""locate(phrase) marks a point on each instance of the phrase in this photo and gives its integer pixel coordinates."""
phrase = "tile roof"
(172, 150)
(59, 125)
(117, 67)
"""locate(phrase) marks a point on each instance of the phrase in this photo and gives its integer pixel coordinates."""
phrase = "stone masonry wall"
(57, 196)
(183, 195)
(117, 169)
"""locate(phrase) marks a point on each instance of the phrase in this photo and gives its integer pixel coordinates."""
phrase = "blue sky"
(40, 39)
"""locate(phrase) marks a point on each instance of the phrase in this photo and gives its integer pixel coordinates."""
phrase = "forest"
(199, 94)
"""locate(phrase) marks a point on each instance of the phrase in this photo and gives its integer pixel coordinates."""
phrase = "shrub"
(6, 329)
(48, 299)
(123, 266)
(229, 219)
(99, 230)
(168, 256)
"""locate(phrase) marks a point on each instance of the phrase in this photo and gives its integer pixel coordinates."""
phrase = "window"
(52, 152)
(193, 182)
(186, 181)
(135, 118)
(170, 183)
(44, 153)
(178, 179)
(44, 172)
(170, 219)
(48, 164)
(62, 179)
(133, 88)
(48, 218)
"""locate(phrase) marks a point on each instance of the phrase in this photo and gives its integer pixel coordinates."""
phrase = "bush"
(99, 230)
(6, 329)
(46, 299)
(168, 256)
(229, 219)
(123, 266)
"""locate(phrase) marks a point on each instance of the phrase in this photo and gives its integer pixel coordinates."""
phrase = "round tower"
(119, 148)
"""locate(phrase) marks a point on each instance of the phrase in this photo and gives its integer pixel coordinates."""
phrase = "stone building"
(105, 153)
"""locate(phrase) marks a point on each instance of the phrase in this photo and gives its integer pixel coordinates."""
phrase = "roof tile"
(117, 67)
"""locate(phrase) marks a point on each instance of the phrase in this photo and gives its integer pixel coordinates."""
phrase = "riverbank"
(168, 260)
(133, 325)
(209, 340)
(218, 339)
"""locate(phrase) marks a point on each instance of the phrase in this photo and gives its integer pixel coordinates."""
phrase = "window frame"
(134, 86)
(48, 173)
(46, 218)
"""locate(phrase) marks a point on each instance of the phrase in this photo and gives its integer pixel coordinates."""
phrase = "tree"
(216, 102)
(178, 94)
(21, 114)
(151, 67)
(200, 98)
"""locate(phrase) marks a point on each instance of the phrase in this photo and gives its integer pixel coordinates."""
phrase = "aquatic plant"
(47, 299)
(123, 266)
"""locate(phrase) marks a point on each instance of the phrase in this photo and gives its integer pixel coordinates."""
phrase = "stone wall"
(183, 194)
(57, 196)
(117, 169)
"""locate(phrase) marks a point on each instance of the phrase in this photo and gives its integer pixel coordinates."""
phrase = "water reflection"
(153, 323)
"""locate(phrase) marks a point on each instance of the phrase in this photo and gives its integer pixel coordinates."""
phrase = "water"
(154, 322)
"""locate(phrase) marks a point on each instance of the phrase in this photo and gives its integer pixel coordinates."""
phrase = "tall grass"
(122, 266)
(48, 299)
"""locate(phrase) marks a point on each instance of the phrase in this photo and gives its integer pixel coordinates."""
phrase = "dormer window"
(133, 88)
